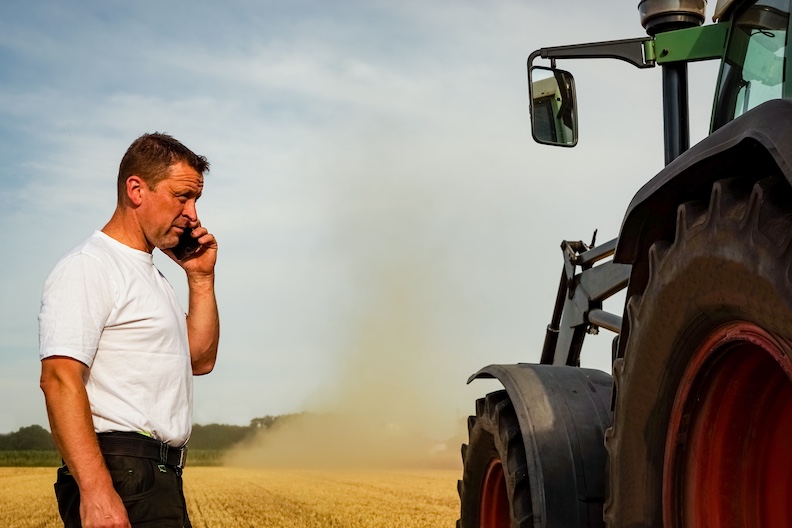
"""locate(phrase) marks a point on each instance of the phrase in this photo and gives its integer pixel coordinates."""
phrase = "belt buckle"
(165, 449)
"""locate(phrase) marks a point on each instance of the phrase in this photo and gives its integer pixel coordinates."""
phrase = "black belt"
(141, 446)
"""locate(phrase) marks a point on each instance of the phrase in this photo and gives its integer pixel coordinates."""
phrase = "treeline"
(31, 438)
(222, 436)
(210, 436)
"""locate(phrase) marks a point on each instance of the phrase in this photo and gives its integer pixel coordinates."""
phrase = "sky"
(386, 224)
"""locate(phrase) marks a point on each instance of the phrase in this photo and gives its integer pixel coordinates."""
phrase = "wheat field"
(277, 498)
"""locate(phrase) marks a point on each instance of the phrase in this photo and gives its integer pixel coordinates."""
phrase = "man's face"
(170, 207)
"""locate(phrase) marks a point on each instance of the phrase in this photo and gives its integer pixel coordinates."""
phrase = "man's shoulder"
(94, 253)
(92, 248)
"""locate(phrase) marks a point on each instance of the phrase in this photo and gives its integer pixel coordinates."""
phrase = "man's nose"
(190, 211)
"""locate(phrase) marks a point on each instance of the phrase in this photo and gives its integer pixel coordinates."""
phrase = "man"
(117, 352)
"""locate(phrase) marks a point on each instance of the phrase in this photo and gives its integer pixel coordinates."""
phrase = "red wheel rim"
(728, 457)
(494, 508)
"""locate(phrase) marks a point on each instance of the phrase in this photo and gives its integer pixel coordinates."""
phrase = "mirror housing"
(553, 106)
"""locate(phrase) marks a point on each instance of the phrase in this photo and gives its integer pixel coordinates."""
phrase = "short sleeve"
(77, 300)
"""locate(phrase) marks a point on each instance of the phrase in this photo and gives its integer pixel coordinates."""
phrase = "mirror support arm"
(637, 52)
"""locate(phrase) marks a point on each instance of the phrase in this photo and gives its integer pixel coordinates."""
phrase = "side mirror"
(553, 106)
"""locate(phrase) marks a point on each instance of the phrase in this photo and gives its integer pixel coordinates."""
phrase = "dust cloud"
(384, 411)
(391, 403)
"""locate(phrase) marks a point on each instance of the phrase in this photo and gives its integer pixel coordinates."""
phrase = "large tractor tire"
(538, 459)
(702, 432)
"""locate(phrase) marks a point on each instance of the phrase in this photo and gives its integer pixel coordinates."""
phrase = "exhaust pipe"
(666, 15)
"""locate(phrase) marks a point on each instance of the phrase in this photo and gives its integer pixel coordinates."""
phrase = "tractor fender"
(563, 413)
(754, 145)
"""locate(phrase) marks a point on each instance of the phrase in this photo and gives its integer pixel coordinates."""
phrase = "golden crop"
(276, 498)
(27, 498)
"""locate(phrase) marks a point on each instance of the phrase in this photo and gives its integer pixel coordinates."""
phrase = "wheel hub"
(728, 457)
(494, 507)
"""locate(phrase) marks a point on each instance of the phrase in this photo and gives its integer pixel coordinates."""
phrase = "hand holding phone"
(187, 245)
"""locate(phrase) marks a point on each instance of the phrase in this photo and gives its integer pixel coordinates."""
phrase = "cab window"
(755, 62)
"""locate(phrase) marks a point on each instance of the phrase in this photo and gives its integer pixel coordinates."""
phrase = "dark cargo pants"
(152, 493)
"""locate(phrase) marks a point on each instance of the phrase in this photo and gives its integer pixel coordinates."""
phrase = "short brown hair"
(151, 155)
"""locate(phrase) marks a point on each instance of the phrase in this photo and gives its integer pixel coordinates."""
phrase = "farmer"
(118, 353)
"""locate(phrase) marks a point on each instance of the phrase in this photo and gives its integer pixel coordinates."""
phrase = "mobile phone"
(187, 245)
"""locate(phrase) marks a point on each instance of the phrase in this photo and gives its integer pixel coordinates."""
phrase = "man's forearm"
(73, 432)
(203, 323)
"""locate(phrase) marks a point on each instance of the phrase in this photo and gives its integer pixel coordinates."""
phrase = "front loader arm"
(578, 309)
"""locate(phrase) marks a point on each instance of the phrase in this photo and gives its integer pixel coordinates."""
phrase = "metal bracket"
(635, 51)
(578, 309)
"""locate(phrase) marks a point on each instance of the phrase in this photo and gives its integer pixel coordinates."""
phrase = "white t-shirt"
(107, 306)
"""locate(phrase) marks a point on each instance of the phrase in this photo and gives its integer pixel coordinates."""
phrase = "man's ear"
(134, 189)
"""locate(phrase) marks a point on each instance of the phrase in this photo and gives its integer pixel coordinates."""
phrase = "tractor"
(693, 426)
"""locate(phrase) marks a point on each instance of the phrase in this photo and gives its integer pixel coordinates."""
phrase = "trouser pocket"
(68, 496)
(152, 492)
(133, 478)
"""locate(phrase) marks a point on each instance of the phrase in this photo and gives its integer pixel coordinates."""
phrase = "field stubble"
(277, 498)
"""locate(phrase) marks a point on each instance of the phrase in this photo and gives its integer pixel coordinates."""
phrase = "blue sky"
(386, 224)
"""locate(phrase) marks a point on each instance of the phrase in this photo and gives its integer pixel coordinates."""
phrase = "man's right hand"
(103, 510)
